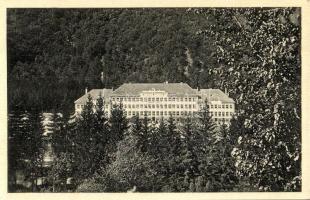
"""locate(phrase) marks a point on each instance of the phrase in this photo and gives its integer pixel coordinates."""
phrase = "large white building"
(160, 100)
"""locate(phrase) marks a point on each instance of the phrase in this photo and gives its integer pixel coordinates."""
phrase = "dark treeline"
(100, 154)
(53, 54)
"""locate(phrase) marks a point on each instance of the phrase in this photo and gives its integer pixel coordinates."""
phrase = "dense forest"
(53, 54)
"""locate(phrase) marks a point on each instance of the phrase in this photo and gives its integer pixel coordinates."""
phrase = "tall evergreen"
(118, 124)
(35, 149)
(83, 140)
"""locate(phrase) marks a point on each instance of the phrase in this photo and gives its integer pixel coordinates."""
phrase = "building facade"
(162, 100)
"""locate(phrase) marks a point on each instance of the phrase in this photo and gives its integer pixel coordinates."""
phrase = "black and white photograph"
(154, 100)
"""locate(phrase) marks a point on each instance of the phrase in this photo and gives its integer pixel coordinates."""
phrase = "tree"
(60, 171)
(132, 168)
(35, 149)
(261, 63)
(118, 126)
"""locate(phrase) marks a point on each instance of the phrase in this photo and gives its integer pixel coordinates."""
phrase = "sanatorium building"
(162, 100)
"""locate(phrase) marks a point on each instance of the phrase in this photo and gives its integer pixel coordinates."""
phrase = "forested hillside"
(53, 54)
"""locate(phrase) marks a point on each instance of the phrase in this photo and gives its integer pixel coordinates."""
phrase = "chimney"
(86, 90)
(226, 91)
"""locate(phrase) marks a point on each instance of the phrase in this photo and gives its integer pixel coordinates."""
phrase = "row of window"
(221, 114)
(160, 113)
(190, 106)
(137, 99)
(175, 113)
(220, 106)
(162, 106)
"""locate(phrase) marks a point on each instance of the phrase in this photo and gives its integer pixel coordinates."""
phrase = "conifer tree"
(35, 149)
(83, 140)
(118, 127)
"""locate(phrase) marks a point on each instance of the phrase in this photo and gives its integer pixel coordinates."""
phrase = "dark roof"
(94, 93)
(173, 89)
(216, 95)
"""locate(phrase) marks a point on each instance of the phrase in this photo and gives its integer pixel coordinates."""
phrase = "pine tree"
(35, 148)
(118, 127)
(190, 160)
(83, 140)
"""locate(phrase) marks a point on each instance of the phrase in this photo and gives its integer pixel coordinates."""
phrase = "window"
(165, 105)
(150, 106)
(220, 114)
(194, 106)
(165, 99)
(181, 99)
(223, 106)
(169, 106)
(226, 105)
(211, 106)
(129, 113)
(189, 106)
(215, 106)
(133, 106)
(181, 105)
(149, 113)
(223, 113)
(77, 106)
(161, 105)
(149, 99)
(182, 113)
(153, 113)
(153, 99)
(185, 112)
(173, 99)
(145, 105)
(186, 106)
(173, 113)
(157, 106)
(230, 106)
(165, 112)
(178, 113)
(169, 99)
(173, 105)
(153, 106)
(177, 99)
(141, 105)
(189, 99)
(125, 106)
(161, 113)
(178, 106)
(227, 114)
(231, 113)
(145, 99)
(161, 99)
(185, 99)
(129, 106)
(157, 99)
(141, 113)
(215, 114)
(157, 112)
